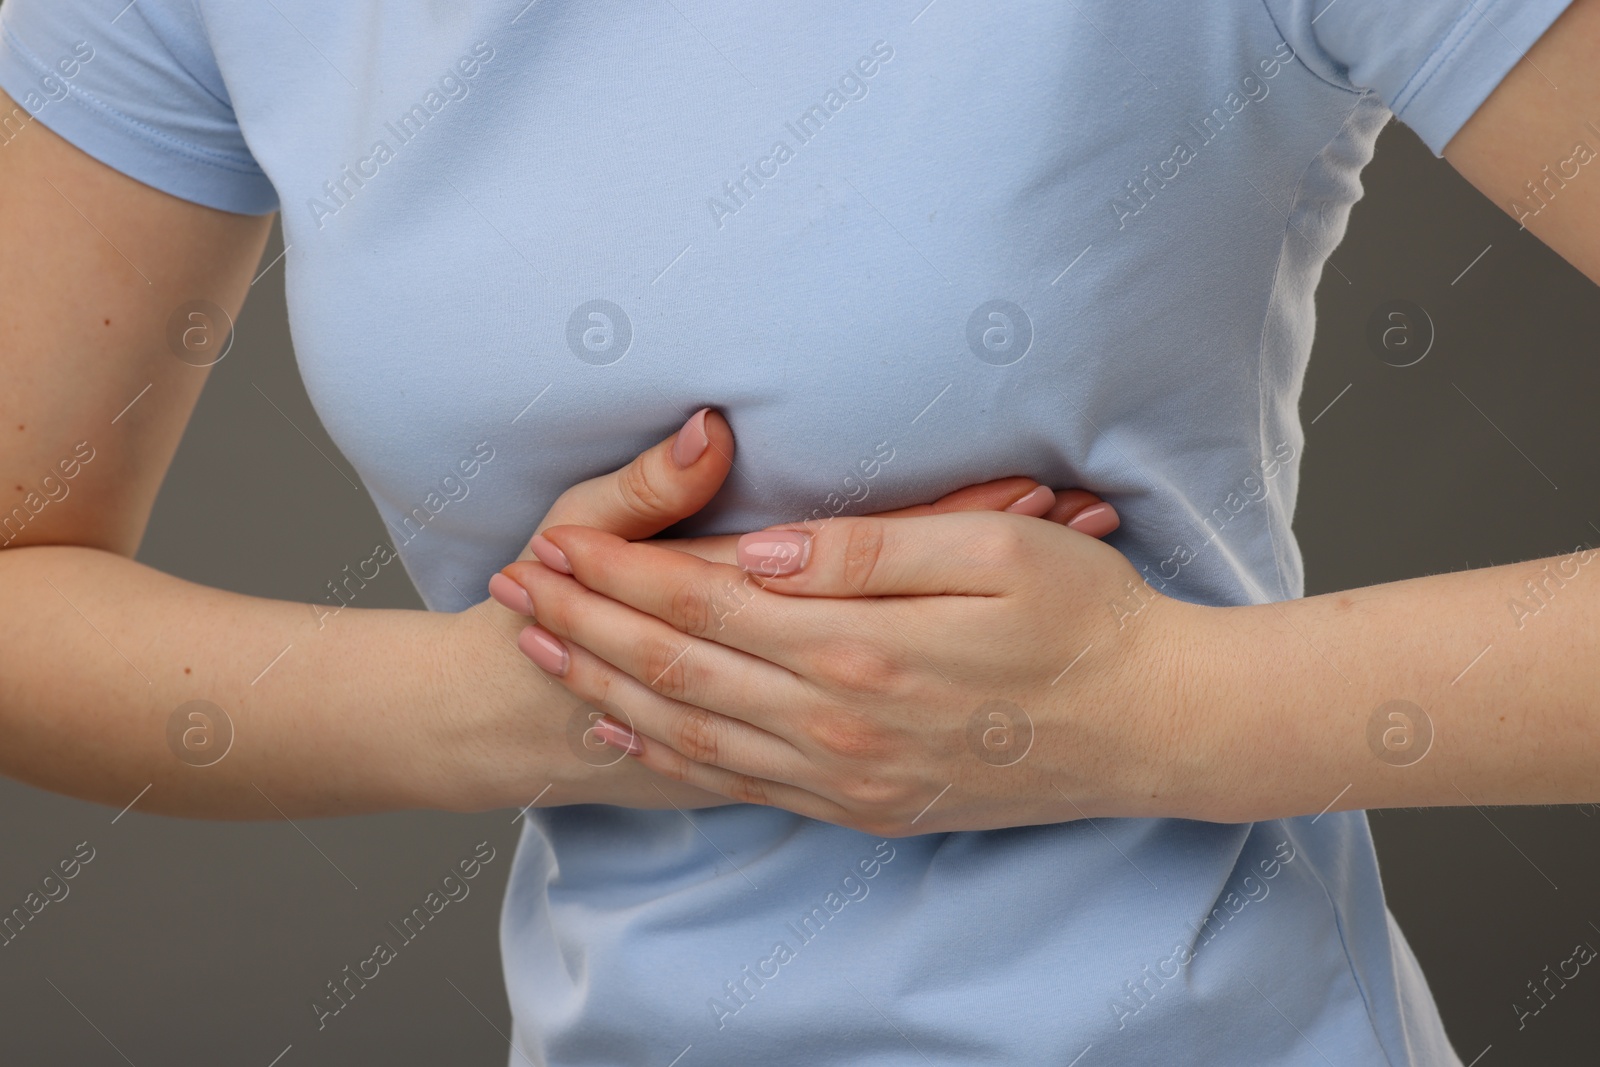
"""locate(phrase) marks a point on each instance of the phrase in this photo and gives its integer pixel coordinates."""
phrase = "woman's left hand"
(898, 676)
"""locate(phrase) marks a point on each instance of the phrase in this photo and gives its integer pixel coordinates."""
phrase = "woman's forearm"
(369, 710)
(98, 653)
(1472, 687)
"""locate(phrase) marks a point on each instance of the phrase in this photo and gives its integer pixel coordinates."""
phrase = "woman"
(900, 252)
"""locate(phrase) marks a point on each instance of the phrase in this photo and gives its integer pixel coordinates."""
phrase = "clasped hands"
(945, 667)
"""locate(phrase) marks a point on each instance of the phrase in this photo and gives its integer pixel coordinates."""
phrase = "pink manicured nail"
(1037, 503)
(691, 442)
(618, 736)
(545, 649)
(774, 552)
(1097, 520)
(509, 593)
(547, 553)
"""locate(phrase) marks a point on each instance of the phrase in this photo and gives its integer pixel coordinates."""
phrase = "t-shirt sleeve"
(1433, 62)
(136, 86)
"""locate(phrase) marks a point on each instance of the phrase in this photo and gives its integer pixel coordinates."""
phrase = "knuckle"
(856, 667)
(1008, 546)
(863, 548)
(666, 667)
(598, 685)
(639, 493)
(588, 686)
(816, 658)
(877, 794)
(689, 609)
(553, 608)
(669, 764)
(849, 737)
(697, 736)
(747, 790)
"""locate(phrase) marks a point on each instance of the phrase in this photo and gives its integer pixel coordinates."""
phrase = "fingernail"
(545, 649)
(618, 736)
(1037, 503)
(547, 553)
(692, 440)
(774, 552)
(509, 593)
(1097, 520)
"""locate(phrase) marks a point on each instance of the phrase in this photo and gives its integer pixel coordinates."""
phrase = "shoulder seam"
(95, 106)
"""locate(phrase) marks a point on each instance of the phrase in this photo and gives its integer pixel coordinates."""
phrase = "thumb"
(668, 482)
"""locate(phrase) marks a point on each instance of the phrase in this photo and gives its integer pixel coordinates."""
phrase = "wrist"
(500, 734)
(1238, 748)
(485, 740)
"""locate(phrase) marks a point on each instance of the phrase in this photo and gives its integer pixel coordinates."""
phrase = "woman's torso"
(1077, 242)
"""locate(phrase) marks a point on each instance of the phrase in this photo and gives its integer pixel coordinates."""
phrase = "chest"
(857, 232)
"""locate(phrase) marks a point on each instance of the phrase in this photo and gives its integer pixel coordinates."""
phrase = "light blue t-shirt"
(903, 248)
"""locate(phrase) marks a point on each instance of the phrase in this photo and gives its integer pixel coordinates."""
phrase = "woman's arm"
(373, 710)
(1477, 687)
(1532, 146)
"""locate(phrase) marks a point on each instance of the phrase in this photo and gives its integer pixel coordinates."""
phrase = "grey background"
(190, 942)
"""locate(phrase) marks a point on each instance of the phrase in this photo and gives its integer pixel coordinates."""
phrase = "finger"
(692, 598)
(667, 482)
(668, 661)
(960, 554)
(744, 788)
(1084, 512)
(1078, 508)
(1020, 495)
(694, 733)
(722, 548)
(997, 495)
(1069, 509)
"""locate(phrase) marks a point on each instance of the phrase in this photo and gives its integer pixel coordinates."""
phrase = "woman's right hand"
(663, 485)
